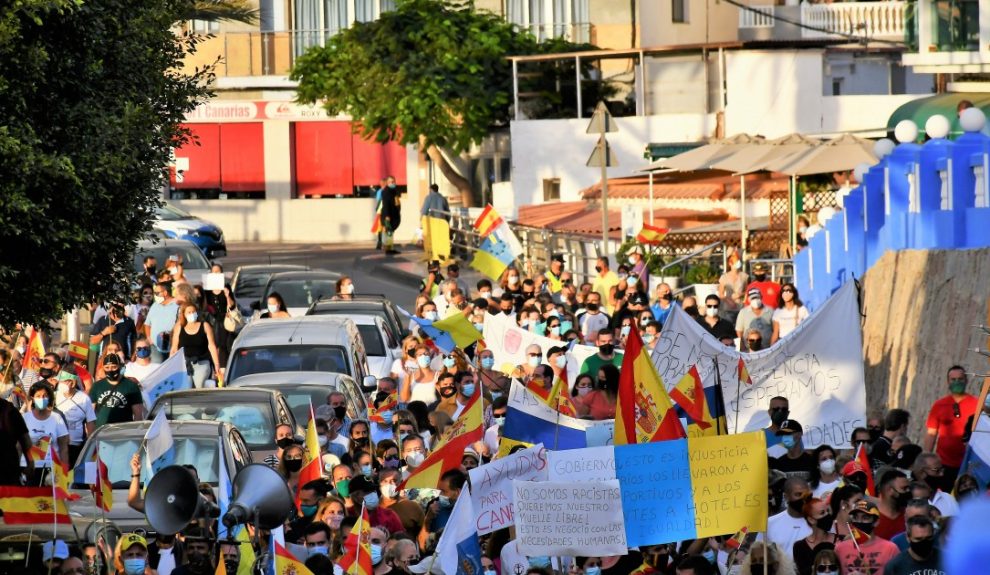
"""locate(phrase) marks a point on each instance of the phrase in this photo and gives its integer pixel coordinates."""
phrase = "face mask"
(756, 303)
(534, 361)
(308, 510)
(623, 276)
(319, 550)
(284, 442)
(760, 277)
(432, 315)
(134, 566)
(423, 361)
(371, 500)
(485, 294)
(756, 345)
(795, 505)
(293, 465)
(159, 299)
(493, 572)
(231, 565)
(829, 573)
(46, 372)
(901, 499)
(864, 526)
(647, 338)
(632, 280)
(827, 466)
(447, 392)
(340, 412)
(709, 555)
(272, 307)
(825, 523)
(322, 440)
(606, 348)
(63, 388)
(366, 469)
(711, 311)
(467, 389)
(539, 562)
(445, 502)
(513, 280)
(507, 311)
(592, 307)
(191, 317)
(934, 482)
(143, 352)
(777, 416)
(583, 391)
(555, 330)
(691, 310)
(113, 375)
(479, 326)
(41, 403)
(347, 289)
(957, 388)
(500, 421)
(411, 365)
(449, 362)
(173, 270)
(414, 459)
(388, 490)
(624, 331)
(788, 441)
(487, 362)
(343, 487)
(376, 554)
(561, 361)
(592, 571)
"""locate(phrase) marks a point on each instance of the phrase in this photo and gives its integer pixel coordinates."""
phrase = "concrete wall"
(707, 21)
(920, 307)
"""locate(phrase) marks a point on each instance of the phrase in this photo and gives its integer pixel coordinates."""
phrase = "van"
(298, 347)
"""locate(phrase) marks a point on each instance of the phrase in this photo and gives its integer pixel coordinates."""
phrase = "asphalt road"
(360, 261)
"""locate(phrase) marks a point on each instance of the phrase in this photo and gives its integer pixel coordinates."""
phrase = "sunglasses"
(752, 341)
(826, 568)
(787, 291)
(535, 355)
(712, 306)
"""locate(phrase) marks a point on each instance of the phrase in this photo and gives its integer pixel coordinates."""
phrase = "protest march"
(530, 425)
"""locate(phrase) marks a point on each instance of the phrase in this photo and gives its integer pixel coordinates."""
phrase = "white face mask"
(347, 289)
(63, 388)
(388, 490)
(756, 303)
(534, 361)
(272, 307)
(711, 311)
(432, 315)
(582, 391)
(414, 459)
(191, 317)
(737, 265)
(485, 294)
(173, 270)
(561, 361)
(322, 440)
(513, 280)
(827, 466)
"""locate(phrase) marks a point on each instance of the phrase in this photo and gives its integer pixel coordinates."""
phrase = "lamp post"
(602, 157)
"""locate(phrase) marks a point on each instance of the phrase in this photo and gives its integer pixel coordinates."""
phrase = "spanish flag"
(559, 399)
(102, 489)
(35, 349)
(287, 564)
(651, 235)
(487, 221)
(26, 505)
(375, 413)
(79, 350)
(689, 393)
(744, 373)
(357, 548)
(376, 225)
(863, 460)
(449, 450)
(312, 468)
(39, 452)
(643, 412)
(737, 540)
(62, 477)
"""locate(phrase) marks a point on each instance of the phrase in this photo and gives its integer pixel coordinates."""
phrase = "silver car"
(304, 389)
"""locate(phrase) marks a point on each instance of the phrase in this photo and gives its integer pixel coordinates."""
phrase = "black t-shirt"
(113, 403)
(124, 333)
(804, 555)
(723, 328)
(905, 564)
(881, 453)
(12, 429)
(799, 467)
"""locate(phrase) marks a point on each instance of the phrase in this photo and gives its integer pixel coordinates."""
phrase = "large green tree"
(431, 73)
(91, 96)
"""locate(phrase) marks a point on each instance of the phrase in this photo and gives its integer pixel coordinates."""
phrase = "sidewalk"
(409, 265)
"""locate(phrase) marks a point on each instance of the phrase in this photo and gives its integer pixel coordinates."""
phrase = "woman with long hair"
(195, 337)
(842, 502)
(819, 517)
(275, 307)
(291, 464)
(825, 478)
(420, 384)
(344, 289)
(600, 403)
(790, 314)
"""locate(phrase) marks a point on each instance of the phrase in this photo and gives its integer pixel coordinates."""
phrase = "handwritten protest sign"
(491, 486)
(819, 368)
(563, 518)
(508, 343)
(690, 488)
(582, 465)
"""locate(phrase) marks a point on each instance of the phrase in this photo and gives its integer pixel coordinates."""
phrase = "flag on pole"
(436, 234)
(449, 451)
(171, 375)
(492, 257)
(644, 412)
(376, 224)
(102, 489)
(391, 403)
(27, 505)
(61, 477)
(35, 349)
(744, 373)
(560, 399)
(487, 221)
(458, 550)
(158, 443)
(864, 461)
(737, 540)
(39, 451)
(357, 548)
(79, 350)
(449, 333)
(651, 235)
(689, 393)
(287, 564)
(312, 468)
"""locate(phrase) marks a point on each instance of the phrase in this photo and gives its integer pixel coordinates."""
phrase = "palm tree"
(222, 10)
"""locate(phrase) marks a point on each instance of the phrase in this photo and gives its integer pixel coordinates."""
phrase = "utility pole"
(602, 157)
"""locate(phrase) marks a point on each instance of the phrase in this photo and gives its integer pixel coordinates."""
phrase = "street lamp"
(602, 157)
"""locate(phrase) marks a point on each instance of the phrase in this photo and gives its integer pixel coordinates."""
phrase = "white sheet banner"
(491, 486)
(818, 368)
(570, 519)
(508, 342)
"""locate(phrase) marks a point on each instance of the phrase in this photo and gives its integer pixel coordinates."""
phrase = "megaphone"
(260, 496)
(173, 500)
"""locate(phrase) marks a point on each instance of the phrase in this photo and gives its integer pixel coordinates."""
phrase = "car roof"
(194, 428)
(350, 304)
(245, 392)
(366, 319)
(310, 329)
(287, 379)
(164, 243)
(304, 274)
(272, 268)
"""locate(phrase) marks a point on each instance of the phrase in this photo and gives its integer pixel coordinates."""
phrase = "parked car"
(304, 345)
(195, 266)
(304, 389)
(300, 289)
(204, 444)
(179, 224)
(249, 282)
(365, 304)
(254, 412)
(381, 345)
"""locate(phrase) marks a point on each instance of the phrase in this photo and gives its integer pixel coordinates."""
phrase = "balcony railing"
(866, 20)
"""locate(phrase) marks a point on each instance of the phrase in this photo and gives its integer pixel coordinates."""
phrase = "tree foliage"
(91, 95)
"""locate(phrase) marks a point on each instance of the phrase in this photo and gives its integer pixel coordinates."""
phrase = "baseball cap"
(852, 467)
(112, 359)
(54, 550)
(868, 507)
(754, 294)
(790, 426)
(558, 258)
(468, 451)
(132, 539)
(556, 349)
(363, 483)
(759, 267)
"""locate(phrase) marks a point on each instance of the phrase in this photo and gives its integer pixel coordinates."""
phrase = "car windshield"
(334, 309)
(372, 336)
(254, 419)
(302, 396)
(302, 293)
(201, 452)
(172, 213)
(249, 360)
(250, 284)
(192, 258)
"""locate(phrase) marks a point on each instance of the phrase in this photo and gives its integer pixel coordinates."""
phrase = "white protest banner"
(491, 486)
(582, 465)
(572, 519)
(508, 342)
(818, 368)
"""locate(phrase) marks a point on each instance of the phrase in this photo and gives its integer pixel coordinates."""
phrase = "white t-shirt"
(77, 409)
(425, 392)
(788, 319)
(823, 489)
(785, 530)
(138, 372)
(945, 503)
(53, 427)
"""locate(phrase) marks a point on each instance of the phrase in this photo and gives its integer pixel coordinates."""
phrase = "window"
(204, 26)
(551, 189)
(837, 87)
(679, 11)
(287, 358)
(550, 18)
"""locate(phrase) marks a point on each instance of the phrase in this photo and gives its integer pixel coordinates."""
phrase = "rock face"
(920, 306)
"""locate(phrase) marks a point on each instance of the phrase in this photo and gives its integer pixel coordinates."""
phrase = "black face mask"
(598, 269)
(778, 415)
(284, 442)
(199, 563)
(112, 375)
(359, 441)
(924, 547)
(592, 307)
(796, 505)
(758, 568)
(606, 348)
(934, 482)
(507, 311)
(293, 465)
(759, 277)
(858, 481)
(756, 345)
(875, 433)
(231, 565)
(864, 526)
(446, 392)
(152, 270)
(825, 523)
(691, 310)
(667, 297)
(340, 412)
(901, 499)
(46, 372)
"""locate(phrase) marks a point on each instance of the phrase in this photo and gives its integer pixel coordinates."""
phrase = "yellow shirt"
(602, 285)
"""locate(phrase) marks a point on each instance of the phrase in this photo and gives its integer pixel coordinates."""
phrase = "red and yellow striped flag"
(61, 477)
(286, 563)
(35, 349)
(39, 451)
(312, 468)
(744, 373)
(644, 412)
(651, 235)
(357, 548)
(102, 489)
(26, 505)
(449, 450)
(689, 393)
(391, 403)
(79, 350)
(487, 221)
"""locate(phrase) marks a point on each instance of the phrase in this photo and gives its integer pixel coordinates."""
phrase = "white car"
(380, 344)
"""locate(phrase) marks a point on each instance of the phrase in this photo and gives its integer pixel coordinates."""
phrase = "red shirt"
(950, 428)
(598, 404)
(382, 517)
(887, 528)
(770, 290)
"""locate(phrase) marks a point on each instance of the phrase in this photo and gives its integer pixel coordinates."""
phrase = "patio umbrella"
(756, 156)
(837, 155)
(702, 158)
